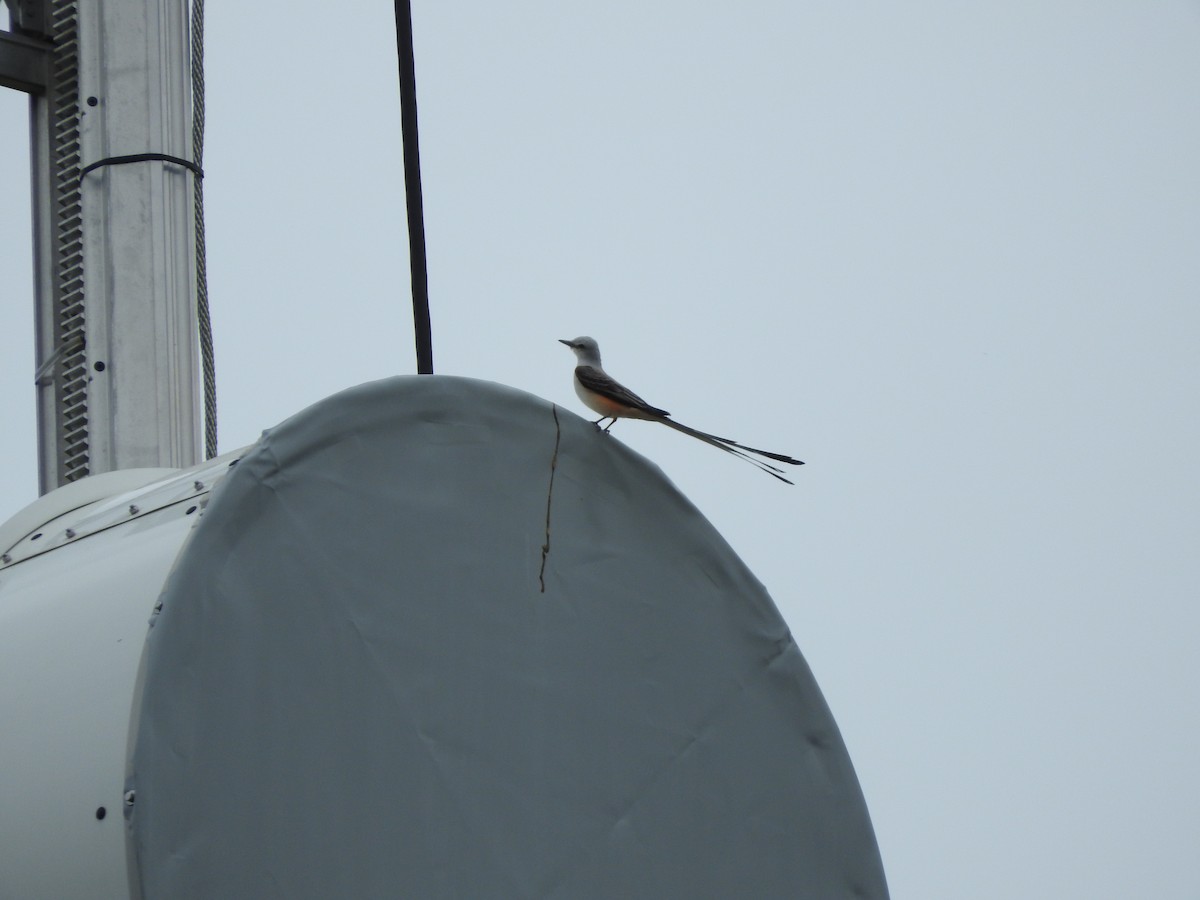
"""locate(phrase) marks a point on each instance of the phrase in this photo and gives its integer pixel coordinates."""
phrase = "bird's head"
(586, 350)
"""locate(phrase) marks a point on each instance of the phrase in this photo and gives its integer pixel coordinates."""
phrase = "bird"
(602, 393)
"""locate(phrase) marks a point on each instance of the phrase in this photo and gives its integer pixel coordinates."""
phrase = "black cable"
(142, 157)
(412, 188)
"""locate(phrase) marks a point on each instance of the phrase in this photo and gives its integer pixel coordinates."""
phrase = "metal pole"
(138, 235)
(114, 233)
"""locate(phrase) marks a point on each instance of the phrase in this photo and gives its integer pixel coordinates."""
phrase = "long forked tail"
(739, 450)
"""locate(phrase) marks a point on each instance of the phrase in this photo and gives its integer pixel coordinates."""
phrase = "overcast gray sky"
(947, 253)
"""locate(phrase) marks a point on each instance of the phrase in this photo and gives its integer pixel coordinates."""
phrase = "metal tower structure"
(113, 232)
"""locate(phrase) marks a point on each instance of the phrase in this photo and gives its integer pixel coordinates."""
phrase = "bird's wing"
(595, 380)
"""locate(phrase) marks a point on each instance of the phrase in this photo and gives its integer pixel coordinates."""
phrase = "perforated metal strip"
(72, 400)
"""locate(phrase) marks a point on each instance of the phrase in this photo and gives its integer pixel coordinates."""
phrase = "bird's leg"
(598, 421)
(610, 424)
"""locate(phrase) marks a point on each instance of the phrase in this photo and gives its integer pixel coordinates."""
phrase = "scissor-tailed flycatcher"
(601, 392)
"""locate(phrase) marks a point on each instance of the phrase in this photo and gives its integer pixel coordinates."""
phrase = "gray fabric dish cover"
(364, 681)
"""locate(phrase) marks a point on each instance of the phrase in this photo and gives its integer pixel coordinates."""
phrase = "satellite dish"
(363, 683)
(430, 637)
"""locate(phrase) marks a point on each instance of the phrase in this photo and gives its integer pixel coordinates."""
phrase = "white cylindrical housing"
(82, 569)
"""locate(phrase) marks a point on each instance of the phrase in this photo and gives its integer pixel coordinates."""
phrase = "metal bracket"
(24, 62)
(29, 17)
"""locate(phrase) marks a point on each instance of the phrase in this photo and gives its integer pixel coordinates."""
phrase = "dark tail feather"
(737, 450)
(783, 458)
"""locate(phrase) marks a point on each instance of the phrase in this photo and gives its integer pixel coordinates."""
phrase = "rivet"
(190, 510)
(133, 509)
(35, 536)
(70, 532)
(198, 485)
(129, 797)
(6, 559)
(101, 812)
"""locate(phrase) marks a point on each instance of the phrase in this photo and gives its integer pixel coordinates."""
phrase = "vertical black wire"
(412, 188)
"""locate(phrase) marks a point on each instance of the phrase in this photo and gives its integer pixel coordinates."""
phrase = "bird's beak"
(568, 343)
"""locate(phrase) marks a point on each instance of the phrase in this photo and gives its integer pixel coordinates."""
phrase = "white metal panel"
(59, 517)
(72, 625)
(74, 611)
(70, 497)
